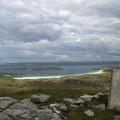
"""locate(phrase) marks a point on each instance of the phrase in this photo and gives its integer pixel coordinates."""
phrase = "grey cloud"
(59, 30)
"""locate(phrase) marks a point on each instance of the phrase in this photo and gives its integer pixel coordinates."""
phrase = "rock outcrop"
(89, 113)
(117, 117)
(101, 107)
(40, 98)
(26, 109)
(37, 107)
(86, 98)
(5, 102)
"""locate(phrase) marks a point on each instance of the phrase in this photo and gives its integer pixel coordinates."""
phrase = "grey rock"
(70, 100)
(75, 106)
(100, 94)
(26, 110)
(45, 114)
(96, 96)
(5, 102)
(63, 107)
(40, 98)
(73, 102)
(4, 117)
(117, 117)
(101, 107)
(86, 98)
(89, 113)
(56, 110)
(80, 101)
(55, 105)
(56, 117)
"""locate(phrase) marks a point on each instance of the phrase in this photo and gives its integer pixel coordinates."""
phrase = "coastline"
(56, 77)
(37, 77)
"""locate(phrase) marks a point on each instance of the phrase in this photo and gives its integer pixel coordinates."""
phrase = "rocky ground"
(36, 107)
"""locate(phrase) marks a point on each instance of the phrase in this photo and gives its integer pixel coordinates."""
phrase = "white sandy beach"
(37, 77)
(49, 77)
(97, 72)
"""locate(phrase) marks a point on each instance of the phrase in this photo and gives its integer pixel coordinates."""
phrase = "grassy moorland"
(70, 86)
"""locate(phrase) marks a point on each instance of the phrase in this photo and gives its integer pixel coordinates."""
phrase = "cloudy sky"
(59, 30)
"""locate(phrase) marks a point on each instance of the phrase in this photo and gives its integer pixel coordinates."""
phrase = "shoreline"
(57, 77)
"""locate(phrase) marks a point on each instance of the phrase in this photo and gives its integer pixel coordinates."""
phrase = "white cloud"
(64, 13)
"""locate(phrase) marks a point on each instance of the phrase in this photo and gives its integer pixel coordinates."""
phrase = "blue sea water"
(25, 70)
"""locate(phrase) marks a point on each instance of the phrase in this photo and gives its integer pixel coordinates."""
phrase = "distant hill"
(67, 63)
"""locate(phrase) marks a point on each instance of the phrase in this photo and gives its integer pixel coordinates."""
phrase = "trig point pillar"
(114, 98)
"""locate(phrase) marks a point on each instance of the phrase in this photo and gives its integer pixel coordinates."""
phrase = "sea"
(52, 68)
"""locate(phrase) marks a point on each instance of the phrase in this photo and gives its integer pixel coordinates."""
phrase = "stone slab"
(114, 98)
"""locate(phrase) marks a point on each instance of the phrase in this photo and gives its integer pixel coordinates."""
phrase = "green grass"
(105, 77)
(67, 87)
(78, 114)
